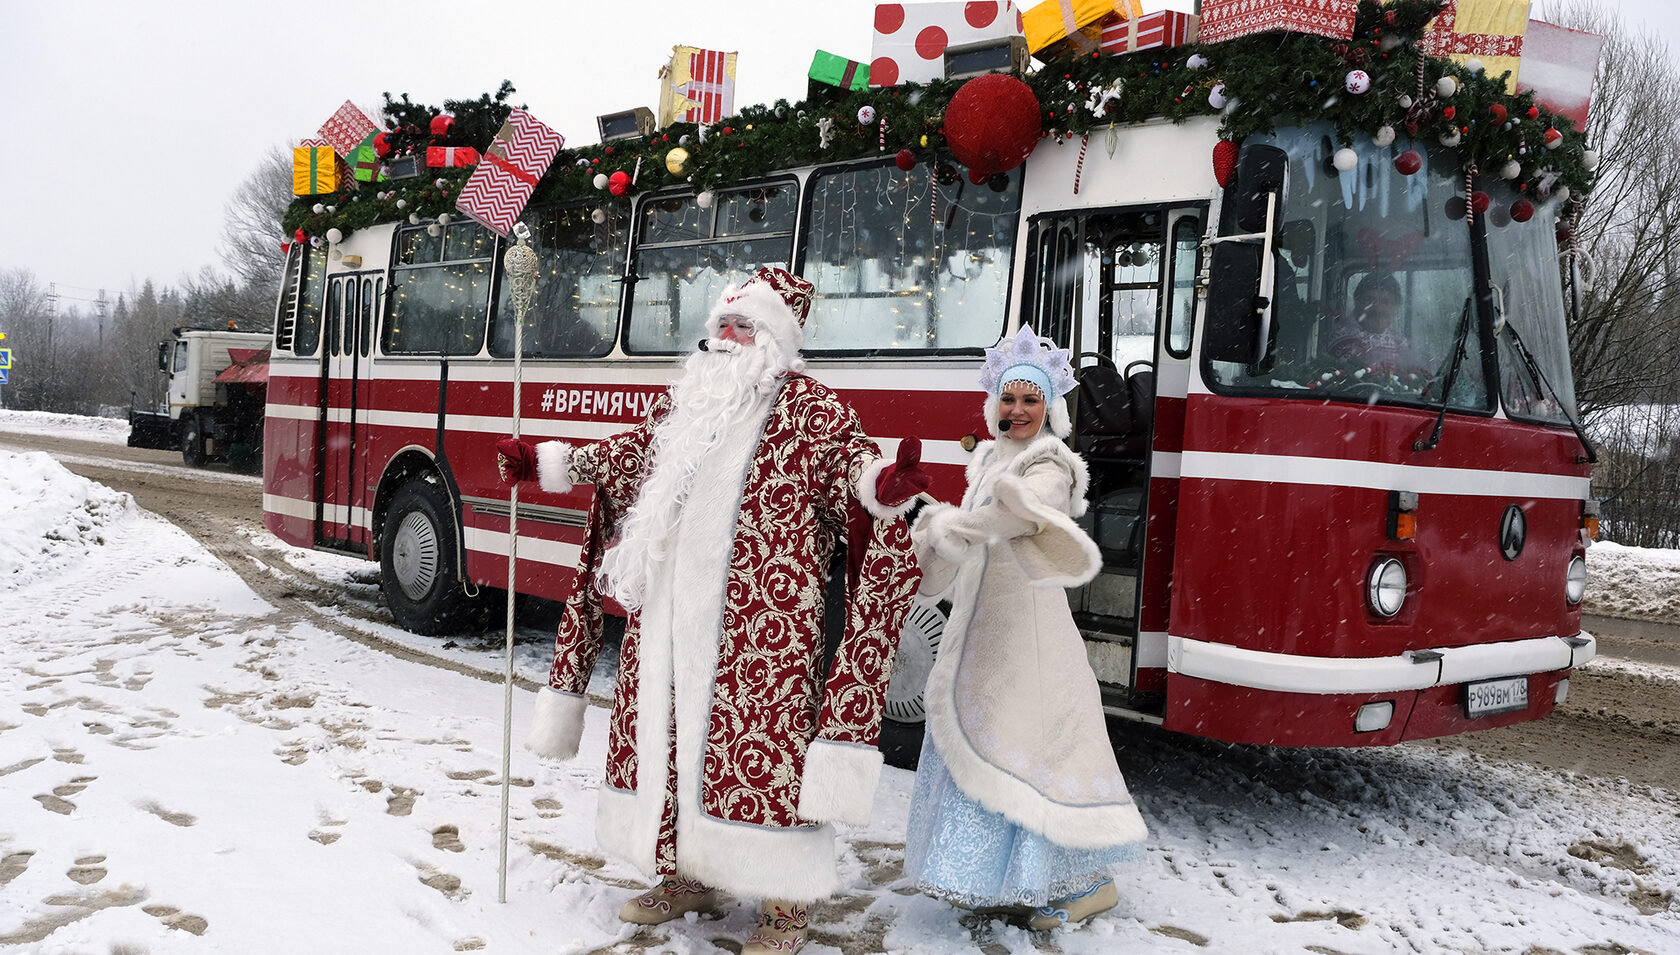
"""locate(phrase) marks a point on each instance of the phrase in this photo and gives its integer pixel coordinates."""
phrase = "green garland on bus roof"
(1268, 80)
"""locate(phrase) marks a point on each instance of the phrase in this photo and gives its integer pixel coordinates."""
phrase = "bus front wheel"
(418, 560)
(192, 441)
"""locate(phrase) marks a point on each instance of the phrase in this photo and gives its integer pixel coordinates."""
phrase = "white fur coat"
(1012, 703)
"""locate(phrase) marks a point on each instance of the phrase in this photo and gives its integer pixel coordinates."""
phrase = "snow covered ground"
(186, 768)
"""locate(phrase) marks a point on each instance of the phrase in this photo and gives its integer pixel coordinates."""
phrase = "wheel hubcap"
(415, 556)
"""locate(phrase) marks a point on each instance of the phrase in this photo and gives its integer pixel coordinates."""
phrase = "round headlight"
(1385, 589)
(1575, 581)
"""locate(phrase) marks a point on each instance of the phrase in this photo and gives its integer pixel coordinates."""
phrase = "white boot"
(781, 929)
(672, 898)
(1097, 899)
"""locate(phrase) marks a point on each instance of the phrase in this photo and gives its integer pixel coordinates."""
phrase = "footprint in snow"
(174, 918)
(13, 865)
(87, 870)
(173, 818)
(447, 838)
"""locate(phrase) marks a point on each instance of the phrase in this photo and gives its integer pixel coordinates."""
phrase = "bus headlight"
(1385, 588)
(1575, 581)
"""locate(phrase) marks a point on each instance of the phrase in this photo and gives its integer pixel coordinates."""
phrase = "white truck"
(218, 385)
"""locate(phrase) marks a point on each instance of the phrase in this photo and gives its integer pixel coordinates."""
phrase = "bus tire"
(192, 441)
(417, 562)
(905, 719)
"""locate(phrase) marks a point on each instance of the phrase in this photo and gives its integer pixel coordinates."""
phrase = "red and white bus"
(1302, 546)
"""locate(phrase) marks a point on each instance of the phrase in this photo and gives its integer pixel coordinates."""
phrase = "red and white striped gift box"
(1560, 65)
(1161, 28)
(508, 173)
(1229, 19)
(711, 86)
(346, 129)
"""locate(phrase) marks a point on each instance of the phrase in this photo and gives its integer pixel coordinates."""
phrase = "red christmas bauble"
(618, 183)
(1449, 112)
(1522, 210)
(1497, 112)
(906, 160)
(992, 124)
(1554, 139)
(1408, 162)
(300, 236)
(1224, 162)
(1480, 201)
(441, 124)
(382, 144)
(1534, 112)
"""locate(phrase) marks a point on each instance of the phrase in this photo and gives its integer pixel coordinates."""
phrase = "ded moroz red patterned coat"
(728, 750)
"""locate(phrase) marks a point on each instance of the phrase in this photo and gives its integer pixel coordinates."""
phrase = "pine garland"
(1269, 80)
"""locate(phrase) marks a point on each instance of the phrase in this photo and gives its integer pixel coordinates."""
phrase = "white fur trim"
(768, 311)
(556, 724)
(554, 465)
(839, 782)
(871, 502)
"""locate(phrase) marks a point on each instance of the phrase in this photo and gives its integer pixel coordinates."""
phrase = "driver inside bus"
(1368, 335)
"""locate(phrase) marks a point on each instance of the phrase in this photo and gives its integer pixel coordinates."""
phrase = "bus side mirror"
(163, 357)
(1240, 273)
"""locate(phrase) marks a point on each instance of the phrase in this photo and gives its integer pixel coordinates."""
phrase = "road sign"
(5, 358)
(3, 374)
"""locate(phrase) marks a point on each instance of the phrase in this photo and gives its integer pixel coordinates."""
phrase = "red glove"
(515, 461)
(904, 478)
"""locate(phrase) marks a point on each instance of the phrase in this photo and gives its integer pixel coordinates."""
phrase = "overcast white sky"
(131, 122)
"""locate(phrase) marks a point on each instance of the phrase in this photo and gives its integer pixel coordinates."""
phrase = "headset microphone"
(1004, 424)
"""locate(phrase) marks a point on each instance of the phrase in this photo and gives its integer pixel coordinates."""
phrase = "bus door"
(1117, 287)
(352, 310)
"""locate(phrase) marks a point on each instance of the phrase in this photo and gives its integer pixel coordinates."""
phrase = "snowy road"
(194, 758)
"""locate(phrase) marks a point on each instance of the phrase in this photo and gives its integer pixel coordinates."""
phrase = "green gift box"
(840, 72)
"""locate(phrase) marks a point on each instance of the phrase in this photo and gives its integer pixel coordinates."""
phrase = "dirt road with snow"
(1617, 722)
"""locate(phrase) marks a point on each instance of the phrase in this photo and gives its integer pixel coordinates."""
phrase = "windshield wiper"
(1459, 352)
(1533, 367)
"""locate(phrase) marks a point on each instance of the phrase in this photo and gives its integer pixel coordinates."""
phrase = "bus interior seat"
(1116, 410)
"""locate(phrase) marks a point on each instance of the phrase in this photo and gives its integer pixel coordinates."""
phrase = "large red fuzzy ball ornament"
(1224, 162)
(618, 183)
(441, 124)
(1480, 201)
(1522, 210)
(1408, 162)
(992, 124)
(906, 160)
(382, 144)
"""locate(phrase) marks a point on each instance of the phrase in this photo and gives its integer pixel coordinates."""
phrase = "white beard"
(720, 398)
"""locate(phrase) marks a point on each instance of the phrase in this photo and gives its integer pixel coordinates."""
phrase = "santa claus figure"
(730, 749)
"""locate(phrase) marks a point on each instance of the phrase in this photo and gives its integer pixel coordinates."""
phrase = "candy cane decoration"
(1470, 196)
(1079, 170)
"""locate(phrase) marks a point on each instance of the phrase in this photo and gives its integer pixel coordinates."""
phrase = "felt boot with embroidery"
(1075, 908)
(671, 898)
(781, 929)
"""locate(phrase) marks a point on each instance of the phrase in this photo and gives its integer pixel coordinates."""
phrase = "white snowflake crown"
(1028, 356)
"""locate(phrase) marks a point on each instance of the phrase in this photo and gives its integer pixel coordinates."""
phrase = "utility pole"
(52, 365)
(99, 304)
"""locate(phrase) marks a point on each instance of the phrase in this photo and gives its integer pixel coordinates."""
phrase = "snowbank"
(51, 517)
(81, 427)
(1639, 583)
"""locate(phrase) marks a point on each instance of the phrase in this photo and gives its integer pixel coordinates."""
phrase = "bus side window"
(685, 256)
(306, 336)
(580, 264)
(891, 276)
(1181, 287)
(440, 308)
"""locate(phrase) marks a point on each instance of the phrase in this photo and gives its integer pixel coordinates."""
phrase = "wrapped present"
(508, 172)
(1487, 30)
(365, 164)
(835, 70)
(314, 170)
(1560, 65)
(911, 38)
(1129, 34)
(1229, 19)
(346, 129)
(1072, 25)
(697, 86)
(444, 156)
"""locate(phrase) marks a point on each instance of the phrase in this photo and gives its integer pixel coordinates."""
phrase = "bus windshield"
(1374, 280)
(1534, 374)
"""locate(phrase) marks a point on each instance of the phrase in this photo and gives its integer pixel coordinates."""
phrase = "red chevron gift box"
(1487, 30)
(441, 156)
(508, 172)
(1229, 19)
(1159, 29)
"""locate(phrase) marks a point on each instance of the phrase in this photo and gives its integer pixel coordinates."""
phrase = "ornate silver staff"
(520, 268)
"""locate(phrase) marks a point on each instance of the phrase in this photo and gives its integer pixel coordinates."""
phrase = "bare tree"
(24, 318)
(1626, 340)
(252, 231)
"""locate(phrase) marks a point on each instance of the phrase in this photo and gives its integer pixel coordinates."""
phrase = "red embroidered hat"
(776, 300)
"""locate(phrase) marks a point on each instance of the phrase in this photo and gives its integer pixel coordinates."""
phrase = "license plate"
(1490, 697)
